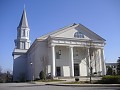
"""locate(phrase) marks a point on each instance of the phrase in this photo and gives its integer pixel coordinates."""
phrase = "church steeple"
(23, 21)
(22, 41)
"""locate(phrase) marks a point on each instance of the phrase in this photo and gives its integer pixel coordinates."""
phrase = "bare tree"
(91, 62)
(44, 60)
(118, 66)
(0, 69)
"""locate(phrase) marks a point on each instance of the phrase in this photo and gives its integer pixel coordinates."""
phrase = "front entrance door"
(76, 69)
(58, 70)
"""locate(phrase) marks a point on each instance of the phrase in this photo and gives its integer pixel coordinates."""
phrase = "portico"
(71, 57)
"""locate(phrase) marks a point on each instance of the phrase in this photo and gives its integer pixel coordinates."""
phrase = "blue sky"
(100, 16)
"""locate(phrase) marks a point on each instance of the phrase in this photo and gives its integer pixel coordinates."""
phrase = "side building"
(111, 68)
(68, 52)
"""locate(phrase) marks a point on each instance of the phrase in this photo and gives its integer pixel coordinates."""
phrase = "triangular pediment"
(76, 31)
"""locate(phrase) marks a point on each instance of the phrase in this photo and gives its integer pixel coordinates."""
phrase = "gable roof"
(57, 31)
(90, 32)
(77, 27)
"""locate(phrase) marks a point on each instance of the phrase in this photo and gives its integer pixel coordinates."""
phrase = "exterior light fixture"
(31, 63)
(59, 52)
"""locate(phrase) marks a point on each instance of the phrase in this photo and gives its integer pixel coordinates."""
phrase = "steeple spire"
(23, 22)
(22, 41)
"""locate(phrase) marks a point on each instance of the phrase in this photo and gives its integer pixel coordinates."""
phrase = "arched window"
(79, 35)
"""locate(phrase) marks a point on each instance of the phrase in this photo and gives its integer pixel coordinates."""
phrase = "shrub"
(95, 72)
(76, 79)
(49, 76)
(36, 79)
(42, 75)
(110, 80)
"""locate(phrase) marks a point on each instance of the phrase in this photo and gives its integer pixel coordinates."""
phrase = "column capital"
(71, 46)
(52, 45)
(102, 48)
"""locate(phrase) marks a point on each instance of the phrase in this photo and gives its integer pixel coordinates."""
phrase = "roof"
(110, 64)
(51, 33)
(23, 22)
(74, 25)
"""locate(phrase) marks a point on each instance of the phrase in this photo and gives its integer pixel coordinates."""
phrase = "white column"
(103, 62)
(71, 62)
(100, 61)
(95, 58)
(88, 62)
(53, 61)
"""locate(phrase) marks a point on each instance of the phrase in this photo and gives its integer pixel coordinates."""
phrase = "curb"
(86, 85)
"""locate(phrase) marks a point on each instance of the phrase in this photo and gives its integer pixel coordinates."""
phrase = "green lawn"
(77, 82)
(50, 80)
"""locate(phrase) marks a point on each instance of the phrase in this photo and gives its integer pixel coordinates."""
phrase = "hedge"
(109, 79)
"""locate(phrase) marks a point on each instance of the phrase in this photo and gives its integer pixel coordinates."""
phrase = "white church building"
(68, 52)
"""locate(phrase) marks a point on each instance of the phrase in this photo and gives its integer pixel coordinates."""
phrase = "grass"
(105, 80)
(77, 82)
(83, 82)
(50, 80)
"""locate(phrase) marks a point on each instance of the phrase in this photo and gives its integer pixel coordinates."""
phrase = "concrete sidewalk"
(62, 83)
(87, 85)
